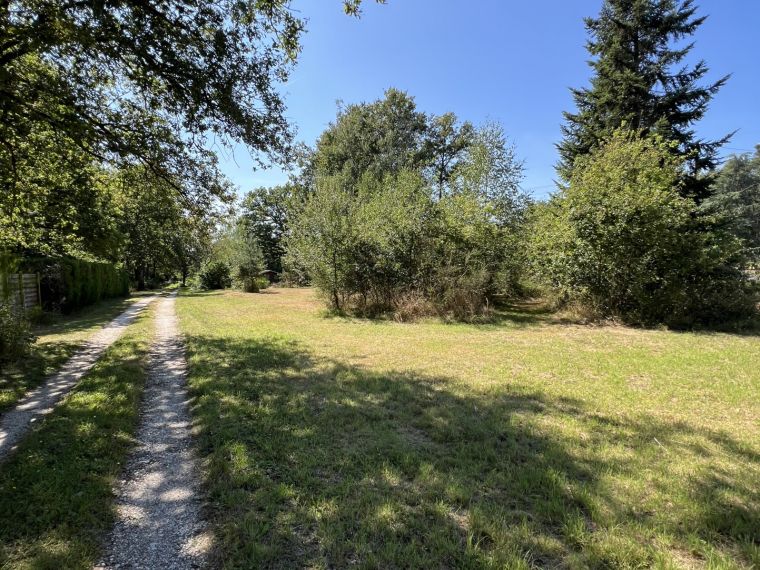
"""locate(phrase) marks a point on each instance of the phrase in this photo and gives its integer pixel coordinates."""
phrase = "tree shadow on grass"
(46, 356)
(85, 318)
(17, 378)
(188, 292)
(314, 463)
(56, 489)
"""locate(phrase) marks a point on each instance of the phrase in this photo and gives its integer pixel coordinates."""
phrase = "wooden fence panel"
(21, 289)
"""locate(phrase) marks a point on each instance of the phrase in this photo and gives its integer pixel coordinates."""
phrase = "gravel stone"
(159, 511)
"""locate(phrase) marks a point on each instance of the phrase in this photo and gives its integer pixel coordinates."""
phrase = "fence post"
(21, 290)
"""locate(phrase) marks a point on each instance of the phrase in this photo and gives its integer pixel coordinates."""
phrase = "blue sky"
(508, 60)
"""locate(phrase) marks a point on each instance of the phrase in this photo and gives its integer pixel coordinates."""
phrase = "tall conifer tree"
(640, 79)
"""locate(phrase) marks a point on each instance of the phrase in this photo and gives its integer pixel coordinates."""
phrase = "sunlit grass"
(56, 490)
(56, 342)
(334, 442)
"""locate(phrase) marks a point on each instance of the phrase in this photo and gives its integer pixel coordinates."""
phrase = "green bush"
(623, 242)
(68, 284)
(86, 283)
(391, 246)
(215, 275)
(15, 333)
(251, 284)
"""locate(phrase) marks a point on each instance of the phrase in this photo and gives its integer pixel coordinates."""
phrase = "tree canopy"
(640, 81)
(380, 138)
(404, 212)
(737, 196)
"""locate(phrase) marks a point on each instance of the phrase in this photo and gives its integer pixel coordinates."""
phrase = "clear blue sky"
(508, 60)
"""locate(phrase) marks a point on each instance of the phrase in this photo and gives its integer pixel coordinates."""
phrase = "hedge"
(68, 284)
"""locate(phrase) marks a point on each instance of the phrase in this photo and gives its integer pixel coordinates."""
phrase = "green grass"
(56, 490)
(56, 342)
(333, 443)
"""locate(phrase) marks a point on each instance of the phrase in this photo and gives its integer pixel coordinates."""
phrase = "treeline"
(407, 213)
(105, 158)
(128, 217)
(107, 119)
(397, 211)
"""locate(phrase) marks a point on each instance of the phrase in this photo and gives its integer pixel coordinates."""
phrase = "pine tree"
(737, 195)
(640, 81)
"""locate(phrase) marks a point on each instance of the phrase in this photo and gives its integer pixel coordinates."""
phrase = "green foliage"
(382, 245)
(161, 233)
(84, 282)
(465, 256)
(259, 284)
(446, 142)
(54, 199)
(69, 284)
(379, 138)
(491, 170)
(236, 246)
(623, 241)
(211, 67)
(15, 333)
(323, 237)
(407, 214)
(737, 197)
(215, 275)
(265, 213)
(640, 81)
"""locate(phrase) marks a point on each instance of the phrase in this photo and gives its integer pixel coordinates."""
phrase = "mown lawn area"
(56, 341)
(333, 442)
(56, 490)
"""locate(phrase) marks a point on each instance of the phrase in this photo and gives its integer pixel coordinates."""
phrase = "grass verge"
(56, 342)
(56, 490)
(524, 443)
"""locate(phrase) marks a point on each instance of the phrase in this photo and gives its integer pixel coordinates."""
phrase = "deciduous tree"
(446, 143)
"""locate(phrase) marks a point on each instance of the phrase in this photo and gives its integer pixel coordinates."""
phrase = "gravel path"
(159, 523)
(15, 423)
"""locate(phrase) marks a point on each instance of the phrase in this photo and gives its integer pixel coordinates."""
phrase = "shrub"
(38, 316)
(252, 284)
(15, 333)
(68, 284)
(215, 275)
(249, 281)
(322, 241)
(623, 241)
(237, 247)
(412, 305)
(461, 296)
(385, 246)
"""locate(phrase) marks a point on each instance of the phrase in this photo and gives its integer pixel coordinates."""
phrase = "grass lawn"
(56, 490)
(56, 342)
(332, 442)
